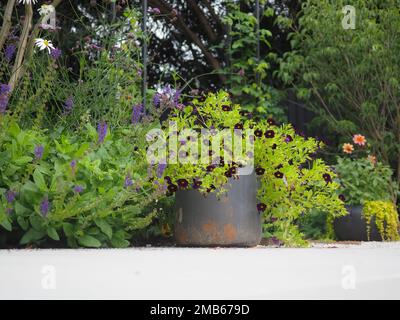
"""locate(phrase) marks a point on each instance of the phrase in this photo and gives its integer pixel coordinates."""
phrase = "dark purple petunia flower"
(271, 122)
(172, 188)
(69, 104)
(38, 152)
(55, 53)
(226, 108)
(137, 112)
(45, 207)
(128, 182)
(9, 52)
(269, 134)
(10, 196)
(260, 171)
(183, 183)
(168, 180)
(327, 177)
(197, 184)
(160, 169)
(278, 175)
(258, 133)
(261, 207)
(78, 189)
(101, 131)
(288, 138)
(342, 197)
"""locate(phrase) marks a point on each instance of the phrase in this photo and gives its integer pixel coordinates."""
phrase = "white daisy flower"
(27, 1)
(46, 9)
(43, 44)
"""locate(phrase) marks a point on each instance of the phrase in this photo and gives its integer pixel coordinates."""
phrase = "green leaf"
(23, 223)
(68, 229)
(89, 241)
(6, 224)
(52, 233)
(31, 236)
(104, 227)
(20, 210)
(119, 241)
(23, 160)
(39, 180)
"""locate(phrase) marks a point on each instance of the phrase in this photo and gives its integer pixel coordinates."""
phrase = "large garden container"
(353, 227)
(230, 220)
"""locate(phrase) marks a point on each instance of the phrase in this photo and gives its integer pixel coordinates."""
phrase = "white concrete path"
(352, 272)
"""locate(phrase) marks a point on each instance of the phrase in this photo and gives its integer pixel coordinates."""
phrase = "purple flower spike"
(69, 104)
(128, 182)
(3, 103)
(137, 112)
(78, 189)
(156, 99)
(5, 89)
(9, 52)
(160, 169)
(10, 196)
(102, 131)
(44, 207)
(55, 53)
(39, 152)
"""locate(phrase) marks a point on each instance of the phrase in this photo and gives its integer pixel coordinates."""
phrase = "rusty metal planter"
(231, 220)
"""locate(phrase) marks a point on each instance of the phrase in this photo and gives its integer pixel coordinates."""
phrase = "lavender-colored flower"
(101, 131)
(128, 182)
(78, 189)
(137, 112)
(160, 169)
(4, 89)
(38, 152)
(69, 104)
(156, 99)
(3, 103)
(9, 52)
(44, 207)
(55, 53)
(10, 196)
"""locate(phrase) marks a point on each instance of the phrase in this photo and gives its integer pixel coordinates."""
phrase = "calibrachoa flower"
(137, 112)
(359, 139)
(288, 138)
(172, 188)
(38, 152)
(9, 52)
(260, 171)
(261, 207)
(226, 108)
(10, 196)
(55, 53)
(44, 207)
(258, 133)
(101, 131)
(342, 197)
(278, 175)
(348, 148)
(269, 134)
(327, 177)
(182, 183)
(197, 184)
(44, 44)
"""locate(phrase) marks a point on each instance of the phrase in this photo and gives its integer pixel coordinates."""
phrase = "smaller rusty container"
(232, 220)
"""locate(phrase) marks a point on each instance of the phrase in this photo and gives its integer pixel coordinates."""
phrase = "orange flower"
(359, 139)
(348, 148)
(372, 159)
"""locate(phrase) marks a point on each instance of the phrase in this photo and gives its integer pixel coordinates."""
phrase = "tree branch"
(6, 22)
(203, 20)
(180, 24)
(17, 69)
